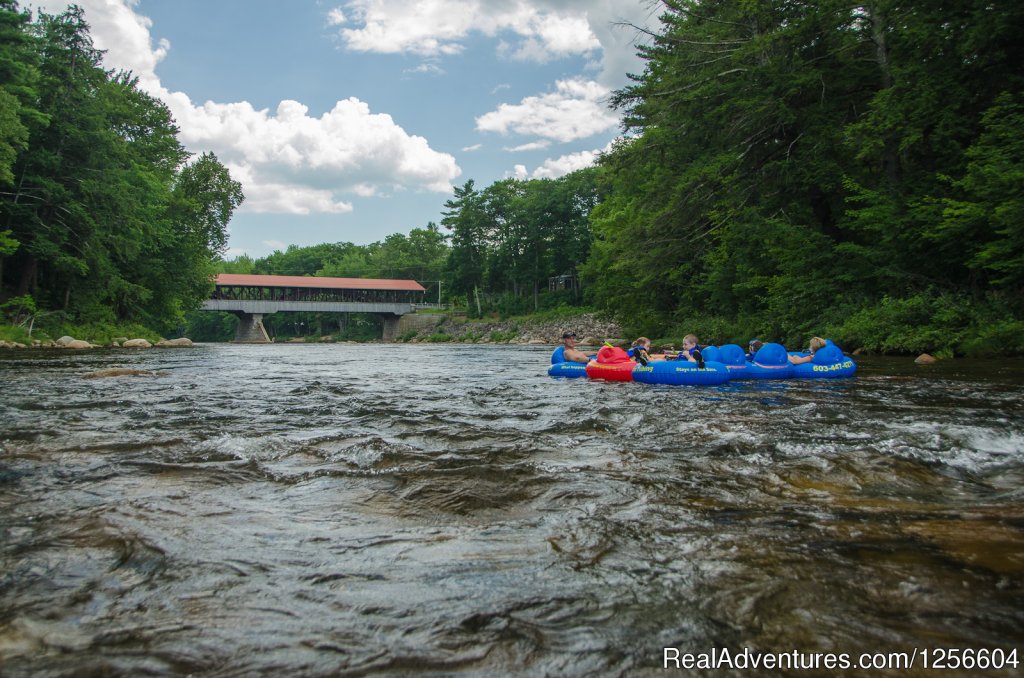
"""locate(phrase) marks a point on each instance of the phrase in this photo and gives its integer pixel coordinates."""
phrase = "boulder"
(537, 341)
(925, 359)
(183, 342)
(119, 340)
(136, 343)
(589, 341)
(77, 343)
(64, 341)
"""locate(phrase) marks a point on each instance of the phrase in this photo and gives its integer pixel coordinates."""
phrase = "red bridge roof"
(240, 280)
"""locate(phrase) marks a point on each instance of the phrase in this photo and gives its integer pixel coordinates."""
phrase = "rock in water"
(183, 342)
(120, 372)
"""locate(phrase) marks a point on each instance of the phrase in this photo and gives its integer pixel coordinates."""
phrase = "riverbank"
(591, 329)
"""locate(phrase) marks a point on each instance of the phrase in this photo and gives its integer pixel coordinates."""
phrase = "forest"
(106, 222)
(785, 169)
(852, 170)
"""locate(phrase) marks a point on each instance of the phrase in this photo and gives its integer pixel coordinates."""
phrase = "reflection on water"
(334, 509)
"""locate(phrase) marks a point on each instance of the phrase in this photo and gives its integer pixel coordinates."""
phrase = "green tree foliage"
(511, 238)
(467, 219)
(793, 165)
(104, 219)
(18, 78)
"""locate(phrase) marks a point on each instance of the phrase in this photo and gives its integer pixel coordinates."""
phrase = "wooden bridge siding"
(267, 307)
(304, 294)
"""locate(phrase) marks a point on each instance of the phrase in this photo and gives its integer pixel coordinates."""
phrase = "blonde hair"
(691, 339)
(817, 343)
(641, 341)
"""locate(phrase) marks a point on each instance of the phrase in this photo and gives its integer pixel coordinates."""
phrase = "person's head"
(689, 341)
(643, 342)
(754, 345)
(569, 339)
(817, 343)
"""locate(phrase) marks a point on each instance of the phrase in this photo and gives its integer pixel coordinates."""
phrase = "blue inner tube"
(828, 363)
(558, 355)
(681, 373)
(712, 353)
(770, 362)
(735, 360)
(570, 370)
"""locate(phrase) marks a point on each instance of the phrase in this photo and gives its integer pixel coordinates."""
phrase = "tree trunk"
(890, 157)
(28, 277)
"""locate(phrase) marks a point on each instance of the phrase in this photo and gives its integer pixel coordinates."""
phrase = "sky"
(347, 121)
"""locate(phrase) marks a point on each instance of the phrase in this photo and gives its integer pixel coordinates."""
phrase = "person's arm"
(576, 356)
(800, 359)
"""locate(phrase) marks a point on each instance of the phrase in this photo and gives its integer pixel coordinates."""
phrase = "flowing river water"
(437, 509)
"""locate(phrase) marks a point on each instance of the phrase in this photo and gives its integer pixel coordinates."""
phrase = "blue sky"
(351, 120)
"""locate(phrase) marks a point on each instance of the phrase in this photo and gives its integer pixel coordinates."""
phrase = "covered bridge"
(253, 296)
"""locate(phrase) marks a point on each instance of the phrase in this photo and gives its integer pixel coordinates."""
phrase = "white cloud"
(286, 160)
(552, 168)
(474, 147)
(537, 30)
(336, 17)
(532, 146)
(275, 244)
(299, 161)
(576, 110)
(431, 69)
(437, 27)
(557, 167)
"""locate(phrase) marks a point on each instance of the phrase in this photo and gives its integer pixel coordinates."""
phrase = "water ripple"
(302, 510)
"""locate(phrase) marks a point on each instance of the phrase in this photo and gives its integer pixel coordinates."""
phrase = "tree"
(103, 220)
(466, 219)
(787, 160)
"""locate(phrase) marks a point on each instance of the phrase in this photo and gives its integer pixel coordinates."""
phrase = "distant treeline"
(104, 217)
(502, 248)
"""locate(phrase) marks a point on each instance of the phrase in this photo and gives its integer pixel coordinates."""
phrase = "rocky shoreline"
(590, 330)
(67, 342)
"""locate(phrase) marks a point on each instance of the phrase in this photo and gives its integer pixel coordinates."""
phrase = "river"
(438, 509)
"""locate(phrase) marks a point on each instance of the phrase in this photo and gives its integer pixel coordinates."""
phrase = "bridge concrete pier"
(250, 329)
(390, 326)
